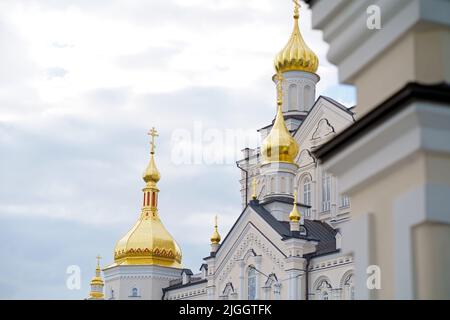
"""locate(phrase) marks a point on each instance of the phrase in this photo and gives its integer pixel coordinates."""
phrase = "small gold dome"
(295, 216)
(296, 55)
(148, 242)
(279, 145)
(151, 173)
(215, 238)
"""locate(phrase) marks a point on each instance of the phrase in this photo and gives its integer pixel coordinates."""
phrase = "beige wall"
(421, 55)
(377, 197)
(429, 241)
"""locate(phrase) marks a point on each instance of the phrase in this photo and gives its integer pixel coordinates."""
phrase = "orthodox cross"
(296, 8)
(153, 133)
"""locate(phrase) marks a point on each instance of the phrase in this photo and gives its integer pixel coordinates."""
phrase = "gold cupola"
(149, 242)
(215, 238)
(296, 55)
(295, 215)
(279, 145)
(97, 283)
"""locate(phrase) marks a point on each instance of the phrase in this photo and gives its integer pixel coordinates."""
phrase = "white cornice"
(353, 45)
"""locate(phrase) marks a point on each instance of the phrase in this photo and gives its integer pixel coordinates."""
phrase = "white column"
(293, 284)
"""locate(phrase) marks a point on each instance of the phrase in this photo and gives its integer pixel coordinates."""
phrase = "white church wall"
(138, 282)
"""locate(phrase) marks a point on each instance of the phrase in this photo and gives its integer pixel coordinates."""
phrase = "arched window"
(251, 288)
(293, 97)
(323, 290)
(307, 194)
(307, 94)
(326, 192)
(349, 287)
(283, 185)
(134, 292)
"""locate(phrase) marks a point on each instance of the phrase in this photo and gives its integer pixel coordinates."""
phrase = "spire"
(295, 215)
(296, 55)
(97, 283)
(151, 174)
(148, 242)
(215, 238)
(279, 145)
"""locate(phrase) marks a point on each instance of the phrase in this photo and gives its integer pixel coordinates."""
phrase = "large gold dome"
(149, 242)
(279, 145)
(296, 55)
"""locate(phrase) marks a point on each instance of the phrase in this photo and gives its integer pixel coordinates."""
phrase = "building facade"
(286, 243)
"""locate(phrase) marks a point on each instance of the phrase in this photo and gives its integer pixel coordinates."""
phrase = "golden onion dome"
(215, 238)
(151, 173)
(296, 55)
(295, 215)
(148, 242)
(279, 145)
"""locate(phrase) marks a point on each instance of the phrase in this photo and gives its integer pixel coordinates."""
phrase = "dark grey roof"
(187, 271)
(285, 199)
(177, 284)
(318, 231)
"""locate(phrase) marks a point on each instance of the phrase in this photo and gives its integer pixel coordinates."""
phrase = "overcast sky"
(82, 82)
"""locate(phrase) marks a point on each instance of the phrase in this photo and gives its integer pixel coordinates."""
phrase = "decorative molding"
(323, 129)
(305, 158)
(250, 241)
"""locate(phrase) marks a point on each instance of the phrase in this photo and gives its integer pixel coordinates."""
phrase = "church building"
(286, 243)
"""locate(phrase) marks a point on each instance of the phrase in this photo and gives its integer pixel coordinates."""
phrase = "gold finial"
(151, 173)
(295, 216)
(153, 133)
(254, 196)
(279, 78)
(97, 282)
(297, 6)
(215, 238)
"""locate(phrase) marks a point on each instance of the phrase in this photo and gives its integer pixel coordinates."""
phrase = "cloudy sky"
(81, 83)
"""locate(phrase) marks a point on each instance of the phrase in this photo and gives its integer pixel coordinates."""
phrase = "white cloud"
(82, 82)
